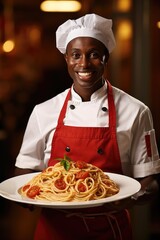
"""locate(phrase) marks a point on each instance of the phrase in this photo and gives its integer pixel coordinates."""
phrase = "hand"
(27, 206)
(119, 205)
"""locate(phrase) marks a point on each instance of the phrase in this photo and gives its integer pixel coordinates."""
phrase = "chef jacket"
(135, 133)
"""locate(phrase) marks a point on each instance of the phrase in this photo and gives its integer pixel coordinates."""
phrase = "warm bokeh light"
(34, 35)
(60, 6)
(124, 30)
(158, 24)
(123, 5)
(8, 46)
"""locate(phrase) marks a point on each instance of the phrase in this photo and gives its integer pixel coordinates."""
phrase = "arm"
(145, 164)
(31, 155)
(21, 171)
(149, 189)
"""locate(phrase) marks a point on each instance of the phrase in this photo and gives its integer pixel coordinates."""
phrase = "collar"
(96, 95)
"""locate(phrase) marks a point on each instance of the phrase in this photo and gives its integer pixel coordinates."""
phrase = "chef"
(93, 122)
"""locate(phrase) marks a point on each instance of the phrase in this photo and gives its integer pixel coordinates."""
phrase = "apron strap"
(111, 109)
(63, 110)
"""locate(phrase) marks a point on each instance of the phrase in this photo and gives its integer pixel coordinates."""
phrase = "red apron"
(98, 146)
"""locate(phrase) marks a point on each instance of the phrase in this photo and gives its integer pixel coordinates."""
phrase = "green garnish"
(65, 162)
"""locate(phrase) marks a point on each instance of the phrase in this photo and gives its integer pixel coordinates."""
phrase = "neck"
(86, 93)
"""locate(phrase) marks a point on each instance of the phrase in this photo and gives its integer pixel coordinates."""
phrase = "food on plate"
(70, 181)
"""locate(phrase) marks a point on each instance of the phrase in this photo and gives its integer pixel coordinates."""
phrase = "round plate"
(9, 190)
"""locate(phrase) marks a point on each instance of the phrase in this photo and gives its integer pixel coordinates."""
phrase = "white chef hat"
(90, 25)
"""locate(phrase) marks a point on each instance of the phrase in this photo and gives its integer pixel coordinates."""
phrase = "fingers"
(27, 206)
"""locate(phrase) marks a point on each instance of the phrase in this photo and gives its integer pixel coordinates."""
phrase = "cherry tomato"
(82, 175)
(81, 187)
(25, 187)
(33, 191)
(60, 184)
(81, 164)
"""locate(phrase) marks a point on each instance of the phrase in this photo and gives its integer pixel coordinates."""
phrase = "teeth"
(84, 74)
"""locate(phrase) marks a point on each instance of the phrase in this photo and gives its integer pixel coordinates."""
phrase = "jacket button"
(104, 109)
(67, 149)
(72, 106)
(100, 151)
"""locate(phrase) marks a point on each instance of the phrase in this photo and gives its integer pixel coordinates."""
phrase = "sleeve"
(144, 152)
(31, 154)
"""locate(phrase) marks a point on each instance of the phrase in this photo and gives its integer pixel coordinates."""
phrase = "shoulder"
(125, 100)
(130, 110)
(46, 113)
(53, 104)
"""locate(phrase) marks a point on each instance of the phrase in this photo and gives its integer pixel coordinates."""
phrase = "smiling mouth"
(85, 74)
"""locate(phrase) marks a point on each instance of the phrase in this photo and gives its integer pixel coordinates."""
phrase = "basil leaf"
(67, 165)
(65, 162)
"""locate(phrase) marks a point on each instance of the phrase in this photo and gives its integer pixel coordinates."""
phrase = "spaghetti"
(80, 182)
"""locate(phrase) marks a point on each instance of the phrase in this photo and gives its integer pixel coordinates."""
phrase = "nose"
(84, 61)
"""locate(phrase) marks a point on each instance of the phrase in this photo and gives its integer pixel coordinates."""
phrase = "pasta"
(80, 182)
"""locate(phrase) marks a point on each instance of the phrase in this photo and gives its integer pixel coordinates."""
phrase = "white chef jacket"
(134, 121)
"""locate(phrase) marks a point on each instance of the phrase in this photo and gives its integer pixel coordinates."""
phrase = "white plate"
(9, 190)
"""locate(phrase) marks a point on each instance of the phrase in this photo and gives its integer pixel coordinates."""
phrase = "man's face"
(86, 58)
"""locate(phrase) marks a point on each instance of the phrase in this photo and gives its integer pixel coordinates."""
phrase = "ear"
(66, 57)
(106, 57)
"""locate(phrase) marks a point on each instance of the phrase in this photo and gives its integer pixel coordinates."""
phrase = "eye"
(75, 55)
(94, 55)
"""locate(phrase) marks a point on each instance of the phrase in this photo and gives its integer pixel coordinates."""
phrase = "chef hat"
(90, 25)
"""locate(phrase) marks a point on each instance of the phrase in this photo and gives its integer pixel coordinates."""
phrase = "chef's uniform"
(97, 146)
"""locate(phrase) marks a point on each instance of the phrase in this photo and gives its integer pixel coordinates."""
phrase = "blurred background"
(32, 70)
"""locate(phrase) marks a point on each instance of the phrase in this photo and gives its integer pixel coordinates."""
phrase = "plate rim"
(60, 204)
